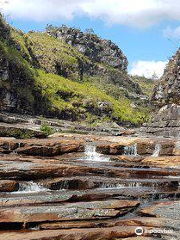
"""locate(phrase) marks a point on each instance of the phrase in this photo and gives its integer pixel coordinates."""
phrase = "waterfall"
(14, 152)
(92, 155)
(28, 187)
(157, 150)
(131, 150)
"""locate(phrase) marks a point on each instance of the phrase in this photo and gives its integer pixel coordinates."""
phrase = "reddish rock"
(168, 209)
(7, 145)
(147, 146)
(8, 186)
(50, 147)
(75, 234)
(163, 161)
(139, 221)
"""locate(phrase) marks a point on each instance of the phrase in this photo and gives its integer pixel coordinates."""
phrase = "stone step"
(67, 211)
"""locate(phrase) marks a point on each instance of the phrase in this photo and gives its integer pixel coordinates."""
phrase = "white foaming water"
(157, 150)
(28, 187)
(131, 150)
(92, 155)
(120, 186)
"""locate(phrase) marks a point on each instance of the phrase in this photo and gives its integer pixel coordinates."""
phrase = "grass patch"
(63, 92)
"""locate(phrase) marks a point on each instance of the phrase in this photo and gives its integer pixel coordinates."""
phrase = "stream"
(85, 191)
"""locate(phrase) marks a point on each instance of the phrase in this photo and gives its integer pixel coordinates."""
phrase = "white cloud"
(136, 13)
(172, 32)
(148, 68)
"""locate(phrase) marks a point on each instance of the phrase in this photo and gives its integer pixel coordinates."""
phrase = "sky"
(147, 31)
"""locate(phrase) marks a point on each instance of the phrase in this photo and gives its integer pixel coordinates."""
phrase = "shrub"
(47, 129)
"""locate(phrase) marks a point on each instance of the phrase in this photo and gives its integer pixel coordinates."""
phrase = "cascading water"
(28, 187)
(120, 186)
(131, 150)
(92, 155)
(157, 150)
(14, 152)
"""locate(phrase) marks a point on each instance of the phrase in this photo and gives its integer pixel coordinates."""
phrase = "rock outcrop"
(92, 46)
(18, 92)
(165, 120)
(167, 90)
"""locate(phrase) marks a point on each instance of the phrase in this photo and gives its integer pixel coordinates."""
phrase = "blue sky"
(148, 34)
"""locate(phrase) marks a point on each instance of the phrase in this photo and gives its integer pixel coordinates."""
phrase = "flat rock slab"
(139, 221)
(73, 234)
(40, 147)
(28, 170)
(164, 209)
(144, 146)
(92, 182)
(19, 199)
(68, 211)
(47, 197)
(20, 131)
(164, 162)
(49, 147)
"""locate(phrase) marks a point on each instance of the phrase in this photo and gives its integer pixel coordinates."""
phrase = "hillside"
(42, 74)
(146, 84)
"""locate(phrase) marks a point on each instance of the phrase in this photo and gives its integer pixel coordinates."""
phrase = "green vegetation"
(22, 43)
(48, 130)
(17, 64)
(17, 133)
(72, 97)
(51, 87)
(56, 56)
(146, 84)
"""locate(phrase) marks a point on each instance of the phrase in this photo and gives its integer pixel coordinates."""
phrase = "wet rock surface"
(73, 186)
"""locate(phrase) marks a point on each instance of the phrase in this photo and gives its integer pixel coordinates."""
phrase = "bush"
(47, 129)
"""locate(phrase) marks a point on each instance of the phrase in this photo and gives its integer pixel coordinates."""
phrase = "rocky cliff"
(92, 46)
(46, 74)
(165, 120)
(15, 76)
(167, 90)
